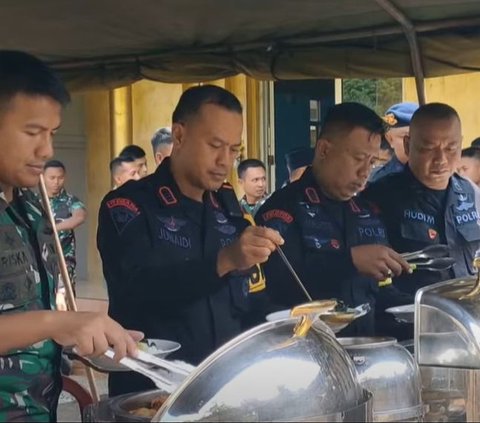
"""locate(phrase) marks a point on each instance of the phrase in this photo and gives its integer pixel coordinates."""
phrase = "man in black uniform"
(428, 203)
(336, 242)
(176, 250)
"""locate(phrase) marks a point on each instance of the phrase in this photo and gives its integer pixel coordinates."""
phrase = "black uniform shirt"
(159, 251)
(319, 234)
(416, 216)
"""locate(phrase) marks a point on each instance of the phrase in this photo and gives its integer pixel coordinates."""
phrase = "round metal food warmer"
(447, 348)
(278, 371)
(390, 373)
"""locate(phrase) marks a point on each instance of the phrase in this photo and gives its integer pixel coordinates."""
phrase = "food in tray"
(152, 408)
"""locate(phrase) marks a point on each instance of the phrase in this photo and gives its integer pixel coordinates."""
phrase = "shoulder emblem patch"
(312, 195)
(122, 212)
(277, 214)
(167, 196)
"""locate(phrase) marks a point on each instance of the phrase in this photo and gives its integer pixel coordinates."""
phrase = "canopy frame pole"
(70, 297)
(411, 35)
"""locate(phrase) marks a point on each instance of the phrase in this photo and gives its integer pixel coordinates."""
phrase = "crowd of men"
(185, 260)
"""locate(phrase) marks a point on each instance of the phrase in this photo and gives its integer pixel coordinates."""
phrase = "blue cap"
(400, 114)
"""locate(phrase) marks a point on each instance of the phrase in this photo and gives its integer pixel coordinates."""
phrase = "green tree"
(378, 94)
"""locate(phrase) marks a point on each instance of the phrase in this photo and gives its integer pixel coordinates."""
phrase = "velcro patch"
(354, 206)
(167, 196)
(312, 195)
(122, 211)
(277, 214)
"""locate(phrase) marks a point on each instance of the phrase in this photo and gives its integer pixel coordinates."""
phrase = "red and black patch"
(312, 195)
(354, 206)
(167, 196)
(123, 202)
(214, 201)
(335, 244)
(122, 211)
(277, 214)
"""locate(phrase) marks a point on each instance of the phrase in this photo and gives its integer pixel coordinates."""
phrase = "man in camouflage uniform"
(68, 211)
(23, 273)
(31, 331)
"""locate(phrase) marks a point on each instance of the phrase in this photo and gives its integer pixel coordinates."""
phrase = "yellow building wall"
(152, 107)
(131, 115)
(98, 131)
(458, 91)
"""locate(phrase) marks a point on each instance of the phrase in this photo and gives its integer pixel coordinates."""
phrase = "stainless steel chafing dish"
(390, 373)
(266, 374)
(447, 348)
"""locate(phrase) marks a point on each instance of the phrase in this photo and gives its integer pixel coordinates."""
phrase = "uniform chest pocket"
(469, 231)
(320, 236)
(62, 211)
(47, 248)
(419, 231)
(18, 279)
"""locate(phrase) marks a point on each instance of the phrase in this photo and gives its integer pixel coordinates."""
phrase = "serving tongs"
(167, 375)
(427, 253)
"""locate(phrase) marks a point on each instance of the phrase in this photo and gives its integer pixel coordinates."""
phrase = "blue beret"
(299, 157)
(400, 114)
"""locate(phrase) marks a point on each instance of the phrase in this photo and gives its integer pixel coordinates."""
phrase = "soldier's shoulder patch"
(278, 214)
(122, 211)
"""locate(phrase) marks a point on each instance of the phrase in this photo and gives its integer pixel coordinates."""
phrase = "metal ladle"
(294, 274)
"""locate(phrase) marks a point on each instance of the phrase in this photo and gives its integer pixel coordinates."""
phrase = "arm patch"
(122, 211)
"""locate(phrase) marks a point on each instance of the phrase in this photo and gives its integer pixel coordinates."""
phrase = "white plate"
(404, 313)
(158, 347)
(278, 315)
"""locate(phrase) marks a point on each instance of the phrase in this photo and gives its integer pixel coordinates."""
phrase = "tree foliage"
(378, 94)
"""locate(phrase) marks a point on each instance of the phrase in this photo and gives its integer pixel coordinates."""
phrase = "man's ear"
(406, 144)
(178, 134)
(322, 148)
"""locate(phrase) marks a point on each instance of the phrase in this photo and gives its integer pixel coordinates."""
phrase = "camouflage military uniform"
(63, 206)
(30, 381)
(252, 209)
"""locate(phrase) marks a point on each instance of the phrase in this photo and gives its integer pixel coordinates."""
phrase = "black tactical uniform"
(416, 216)
(159, 252)
(319, 234)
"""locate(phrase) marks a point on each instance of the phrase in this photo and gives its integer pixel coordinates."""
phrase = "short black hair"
(343, 118)
(247, 164)
(117, 162)
(475, 143)
(22, 73)
(434, 111)
(471, 152)
(54, 163)
(162, 136)
(133, 151)
(195, 97)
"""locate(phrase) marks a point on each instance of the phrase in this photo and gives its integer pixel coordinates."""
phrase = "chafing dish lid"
(265, 374)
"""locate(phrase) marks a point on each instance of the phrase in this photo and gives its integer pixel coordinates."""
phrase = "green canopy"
(107, 43)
